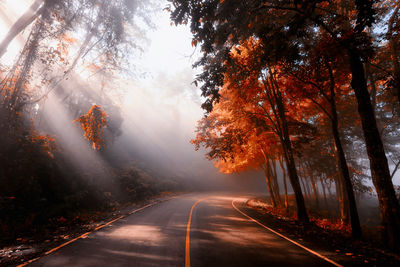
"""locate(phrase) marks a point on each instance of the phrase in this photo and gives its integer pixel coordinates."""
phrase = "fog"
(154, 110)
(160, 109)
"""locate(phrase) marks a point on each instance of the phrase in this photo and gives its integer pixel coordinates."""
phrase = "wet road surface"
(158, 235)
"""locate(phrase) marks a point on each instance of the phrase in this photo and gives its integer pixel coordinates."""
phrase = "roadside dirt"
(343, 248)
(27, 248)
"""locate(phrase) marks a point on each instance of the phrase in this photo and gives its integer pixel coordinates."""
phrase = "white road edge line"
(288, 239)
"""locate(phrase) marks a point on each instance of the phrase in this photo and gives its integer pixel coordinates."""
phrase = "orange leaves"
(92, 124)
(333, 226)
(69, 39)
(93, 68)
(238, 129)
(47, 142)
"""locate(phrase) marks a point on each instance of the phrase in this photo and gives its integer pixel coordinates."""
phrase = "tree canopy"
(310, 61)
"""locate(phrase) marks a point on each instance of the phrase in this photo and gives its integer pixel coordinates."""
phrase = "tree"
(237, 141)
(284, 28)
(321, 76)
(256, 90)
(92, 124)
(34, 11)
(98, 30)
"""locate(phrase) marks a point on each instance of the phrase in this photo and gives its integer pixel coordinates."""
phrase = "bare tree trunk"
(284, 182)
(268, 180)
(306, 194)
(344, 203)
(370, 76)
(303, 175)
(343, 211)
(323, 191)
(26, 19)
(347, 187)
(275, 181)
(315, 189)
(338, 196)
(328, 187)
(388, 202)
(314, 185)
(309, 190)
(28, 56)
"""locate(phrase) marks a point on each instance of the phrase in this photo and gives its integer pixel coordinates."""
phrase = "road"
(218, 235)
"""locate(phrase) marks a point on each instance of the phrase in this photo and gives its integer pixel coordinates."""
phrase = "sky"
(161, 106)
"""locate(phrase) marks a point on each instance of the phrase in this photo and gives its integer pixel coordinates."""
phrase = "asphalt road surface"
(217, 235)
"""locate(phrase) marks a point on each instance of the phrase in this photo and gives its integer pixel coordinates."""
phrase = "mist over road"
(159, 235)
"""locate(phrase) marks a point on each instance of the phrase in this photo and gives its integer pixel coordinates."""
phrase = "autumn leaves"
(92, 124)
(278, 68)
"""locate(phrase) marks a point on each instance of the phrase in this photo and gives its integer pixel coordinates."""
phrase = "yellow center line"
(187, 249)
(288, 239)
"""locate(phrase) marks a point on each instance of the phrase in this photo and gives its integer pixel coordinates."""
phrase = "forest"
(306, 94)
(58, 164)
(312, 87)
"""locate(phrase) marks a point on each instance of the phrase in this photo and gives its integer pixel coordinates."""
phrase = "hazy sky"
(162, 106)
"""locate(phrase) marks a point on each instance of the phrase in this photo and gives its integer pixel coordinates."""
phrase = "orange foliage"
(69, 39)
(47, 142)
(93, 123)
(239, 129)
(329, 225)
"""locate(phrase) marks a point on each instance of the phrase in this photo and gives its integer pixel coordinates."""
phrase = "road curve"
(218, 235)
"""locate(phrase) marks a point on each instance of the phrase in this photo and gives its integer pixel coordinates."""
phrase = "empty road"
(162, 235)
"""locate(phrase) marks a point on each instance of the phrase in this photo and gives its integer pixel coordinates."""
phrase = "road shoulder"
(339, 248)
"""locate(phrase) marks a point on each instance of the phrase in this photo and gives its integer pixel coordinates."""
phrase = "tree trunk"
(291, 167)
(388, 203)
(394, 54)
(272, 88)
(30, 53)
(306, 187)
(284, 182)
(315, 189)
(328, 187)
(307, 196)
(371, 78)
(344, 203)
(347, 186)
(313, 182)
(324, 192)
(267, 172)
(275, 182)
(309, 190)
(27, 18)
(268, 180)
(343, 211)
(294, 181)
(338, 197)
(346, 181)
